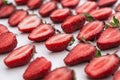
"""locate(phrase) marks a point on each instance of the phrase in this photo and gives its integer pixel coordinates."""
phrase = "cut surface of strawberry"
(117, 75)
(21, 2)
(3, 29)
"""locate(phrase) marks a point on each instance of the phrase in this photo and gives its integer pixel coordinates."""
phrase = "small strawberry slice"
(62, 73)
(17, 17)
(8, 42)
(102, 13)
(58, 42)
(3, 29)
(91, 30)
(60, 15)
(86, 7)
(19, 56)
(21, 2)
(37, 69)
(101, 67)
(1, 3)
(117, 75)
(29, 23)
(47, 8)
(73, 23)
(117, 9)
(109, 38)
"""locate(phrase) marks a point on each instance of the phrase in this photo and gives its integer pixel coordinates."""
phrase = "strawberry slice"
(47, 8)
(8, 42)
(58, 42)
(102, 13)
(17, 17)
(80, 53)
(3, 29)
(86, 7)
(117, 75)
(91, 30)
(29, 23)
(117, 9)
(110, 38)
(73, 23)
(60, 15)
(101, 67)
(62, 73)
(1, 3)
(19, 56)
(37, 69)
(21, 2)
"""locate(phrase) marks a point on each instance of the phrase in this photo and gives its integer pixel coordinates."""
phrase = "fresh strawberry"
(117, 75)
(42, 33)
(6, 10)
(58, 42)
(47, 8)
(73, 23)
(37, 69)
(17, 17)
(60, 15)
(102, 13)
(86, 7)
(21, 2)
(1, 3)
(101, 67)
(29, 23)
(62, 73)
(117, 9)
(3, 29)
(8, 42)
(19, 56)
(91, 30)
(69, 3)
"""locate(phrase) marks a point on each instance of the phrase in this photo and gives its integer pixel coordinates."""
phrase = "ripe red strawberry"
(117, 9)
(21, 2)
(87, 7)
(117, 75)
(69, 3)
(109, 38)
(3, 29)
(101, 67)
(58, 42)
(1, 3)
(37, 69)
(62, 73)
(29, 23)
(41, 33)
(60, 15)
(102, 13)
(7, 42)
(91, 30)
(80, 53)
(19, 56)
(47, 8)
(73, 23)
(17, 17)
(6, 10)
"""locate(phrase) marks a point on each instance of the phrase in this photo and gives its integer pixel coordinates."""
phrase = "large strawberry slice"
(37, 69)
(29, 23)
(21, 2)
(91, 30)
(104, 66)
(62, 73)
(117, 9)
(117, 75)
(3, 29)
(58, 42)
(19, 56)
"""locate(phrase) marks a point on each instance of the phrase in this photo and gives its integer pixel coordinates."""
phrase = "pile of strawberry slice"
(95, 21)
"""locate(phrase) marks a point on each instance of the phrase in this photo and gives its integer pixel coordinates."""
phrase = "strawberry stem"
(72, 41)
(5, 2)
(89, 17)
(98, 53)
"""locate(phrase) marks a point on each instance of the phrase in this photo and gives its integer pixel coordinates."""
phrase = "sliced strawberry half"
(21, 2)
(117, 75)
(3, 29)
(117, 9)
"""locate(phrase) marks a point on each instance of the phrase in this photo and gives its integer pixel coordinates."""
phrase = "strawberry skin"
(37, 69)
(21, 2)
(101, 67)
(3, 29)
(62, 73)
(58, 42)
(91, 30)
(80, 53)
(117, 9)
(73, 23)
(117, 75)
(109, 38)
(17, 17)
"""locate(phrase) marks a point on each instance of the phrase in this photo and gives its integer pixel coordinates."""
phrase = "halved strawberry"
(3, 29)
(109, 38)
(21, 2)
(8, 42)
(117, 75)
(47, 8)
(42, 33)
(58, 42)
(19, 56)
(37, 69)
(29, 23)
(117, 9)
(1, 3)
(17, 17)
(86, 7)
(73, 23)
(104, 66)
(102, 13)
(60, 15)
(62, 73)
(91, 30)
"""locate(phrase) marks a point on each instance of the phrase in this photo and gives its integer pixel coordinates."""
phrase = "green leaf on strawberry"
(72, 41)
(89, 17)
(5, 2)
(98, 53)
